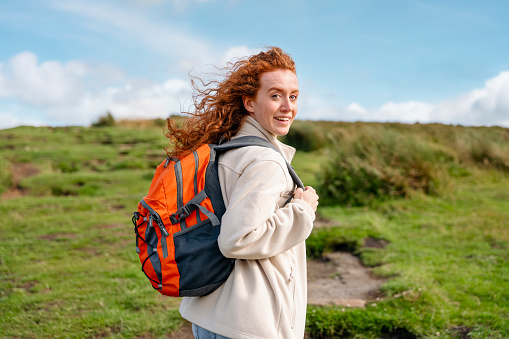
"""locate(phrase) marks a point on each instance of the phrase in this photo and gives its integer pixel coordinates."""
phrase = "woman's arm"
(254, 226)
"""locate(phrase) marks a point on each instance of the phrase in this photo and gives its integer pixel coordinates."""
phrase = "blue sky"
(68, 62)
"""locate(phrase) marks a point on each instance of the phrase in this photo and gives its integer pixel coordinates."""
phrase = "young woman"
(266, 293)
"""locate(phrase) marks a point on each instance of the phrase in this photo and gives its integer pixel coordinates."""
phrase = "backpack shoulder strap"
(244, 141)
(257, 141)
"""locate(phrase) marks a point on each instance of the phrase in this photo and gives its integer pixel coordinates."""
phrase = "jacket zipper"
(292, 285)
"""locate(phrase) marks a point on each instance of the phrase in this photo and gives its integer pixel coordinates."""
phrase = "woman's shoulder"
(241, 158)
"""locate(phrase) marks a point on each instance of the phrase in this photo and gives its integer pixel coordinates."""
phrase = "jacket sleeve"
(254, 226)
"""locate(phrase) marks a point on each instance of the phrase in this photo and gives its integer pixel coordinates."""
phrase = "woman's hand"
(309, 196)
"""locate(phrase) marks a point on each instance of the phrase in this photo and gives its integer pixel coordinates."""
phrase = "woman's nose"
(286, 105)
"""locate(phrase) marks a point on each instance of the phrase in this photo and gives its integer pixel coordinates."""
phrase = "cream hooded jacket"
(266, 293)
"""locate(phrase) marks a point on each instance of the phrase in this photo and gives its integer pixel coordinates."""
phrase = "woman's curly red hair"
(219, 108)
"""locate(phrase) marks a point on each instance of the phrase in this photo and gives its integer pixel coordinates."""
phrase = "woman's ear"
(248, 104)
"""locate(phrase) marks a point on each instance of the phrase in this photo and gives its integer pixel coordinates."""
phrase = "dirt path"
(339, 279)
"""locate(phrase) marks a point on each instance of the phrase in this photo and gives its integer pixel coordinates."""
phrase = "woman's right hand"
(309, 196)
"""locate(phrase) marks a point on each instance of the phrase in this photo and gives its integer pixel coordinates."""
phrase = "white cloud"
(238, 52)
(47, 83)
(76, 93)
(356, 108)
(485, 106)
(410, 111)
(136, 100)
(4, 88)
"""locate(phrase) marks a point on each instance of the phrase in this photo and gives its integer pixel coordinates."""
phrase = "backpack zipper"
(154, 216)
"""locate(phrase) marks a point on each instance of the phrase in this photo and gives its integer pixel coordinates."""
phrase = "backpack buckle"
(180, 215)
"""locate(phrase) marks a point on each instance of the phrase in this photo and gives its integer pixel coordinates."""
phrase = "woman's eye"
(293, 97)
(276, 96)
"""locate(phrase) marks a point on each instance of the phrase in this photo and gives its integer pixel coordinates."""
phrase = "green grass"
(68, 267)
(69, 270)
(68, 263)
(447, 262)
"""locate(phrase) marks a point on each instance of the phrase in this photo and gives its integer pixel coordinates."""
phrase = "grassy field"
(68, 267)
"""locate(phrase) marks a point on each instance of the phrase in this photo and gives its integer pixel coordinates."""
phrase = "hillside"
(425, 206)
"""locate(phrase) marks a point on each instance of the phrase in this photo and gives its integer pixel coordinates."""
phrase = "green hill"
(437, 195)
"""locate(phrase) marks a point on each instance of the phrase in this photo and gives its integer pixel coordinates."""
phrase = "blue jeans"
(201, 333)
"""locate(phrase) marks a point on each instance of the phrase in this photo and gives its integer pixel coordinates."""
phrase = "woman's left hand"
(309, 196)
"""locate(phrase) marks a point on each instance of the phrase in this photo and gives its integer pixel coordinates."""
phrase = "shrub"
(380, 165)
(485, 153)
(106, 120)
(159, 122)
(484, 147)
(305, 136)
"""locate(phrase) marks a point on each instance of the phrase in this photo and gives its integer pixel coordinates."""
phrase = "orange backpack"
(178, 222)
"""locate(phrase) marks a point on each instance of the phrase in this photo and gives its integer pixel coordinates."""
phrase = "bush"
(484, 147)
(485, 153)
(305, 136)
(160, 122)
(106, 120)
(381, 165)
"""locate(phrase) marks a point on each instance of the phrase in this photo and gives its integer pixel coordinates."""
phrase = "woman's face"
(275, 103)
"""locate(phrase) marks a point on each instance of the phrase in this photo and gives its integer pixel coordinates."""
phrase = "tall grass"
(380, 164)
(371, 161)
(305, 136)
